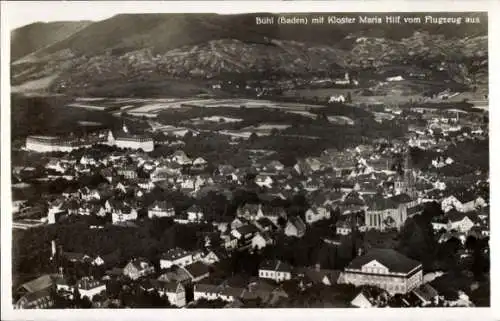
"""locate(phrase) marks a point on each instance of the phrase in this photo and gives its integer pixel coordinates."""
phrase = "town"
(396, 215)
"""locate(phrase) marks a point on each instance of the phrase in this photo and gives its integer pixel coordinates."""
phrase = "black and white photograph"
(248, 160)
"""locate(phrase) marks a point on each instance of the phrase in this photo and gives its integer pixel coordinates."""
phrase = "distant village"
(371, 189)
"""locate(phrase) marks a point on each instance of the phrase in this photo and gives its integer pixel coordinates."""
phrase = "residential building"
(275, 270)
(317, 213)
(89, 287)
(197, 271)
(161, 209)
(175, 256)
(214, 292)
(295, 227)
(138, 268)
(174, 291)
(123, 213)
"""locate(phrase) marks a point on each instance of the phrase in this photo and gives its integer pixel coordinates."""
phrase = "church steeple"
(405, 183)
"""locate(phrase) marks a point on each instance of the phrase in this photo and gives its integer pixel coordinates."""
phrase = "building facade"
(385, 269)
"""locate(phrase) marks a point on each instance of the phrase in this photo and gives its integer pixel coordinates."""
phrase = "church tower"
(405, 183)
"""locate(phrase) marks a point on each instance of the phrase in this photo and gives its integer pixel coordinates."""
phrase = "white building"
(176, 256)
(315, 214)
(175, 292)
(161, 209)
(88, 287)
(275, 270)
(385, 269)
(123, 214)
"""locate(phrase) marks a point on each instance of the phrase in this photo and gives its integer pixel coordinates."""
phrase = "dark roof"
(273, 211)
(401, 198)
(38, 284)
(393, 260)
(419, 208)
(426, 292)
(298, 223)
(197, 269)
(174, 254)
(166, 286)
(265, 222)
(466, 196)
(379, 203)
(247, 229)
(275, 265)
(88, 283)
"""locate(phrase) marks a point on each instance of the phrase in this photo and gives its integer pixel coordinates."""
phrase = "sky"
(21, 13)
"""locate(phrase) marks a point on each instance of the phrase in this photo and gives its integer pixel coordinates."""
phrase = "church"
(124, 139)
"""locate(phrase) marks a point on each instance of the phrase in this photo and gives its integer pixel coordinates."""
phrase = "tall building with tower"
(405, 183)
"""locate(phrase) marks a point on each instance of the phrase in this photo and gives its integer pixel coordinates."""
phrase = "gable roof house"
(465, 201)
(317, 213)
(197, 271)
(273, 213)
(275, 270)
(295, 227)
(195, 213)
(250, 211)
(137, 268)
(174, 291)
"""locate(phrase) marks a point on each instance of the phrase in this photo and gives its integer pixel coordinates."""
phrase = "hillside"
(30, 38)
(152, 47)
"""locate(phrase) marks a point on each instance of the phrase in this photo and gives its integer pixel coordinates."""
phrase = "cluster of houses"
(181, 270)
(361, 188)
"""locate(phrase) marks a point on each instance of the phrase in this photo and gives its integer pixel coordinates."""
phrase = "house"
(273, 213)
(97, 261)
(195, 213)
(199, 163)
(35, 300)
(343, 227)
(462, 202)
(275, 270)
(316, 213)
(426, 294)
(260, 240)
(213, 292)
(123, 213)
(250, 211)
(316, 275)
(174, 291)
(210, 258)
(197, 271)
(127, 172)
(244, 233)
(175, 256)
(386, 269)
(460, 222)
(362, 300)
(161, 209)
(264, 180)
(265, 225)
(89, 287)
(295, 227)
(180, 158)
(87, 194)
(138, 268)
